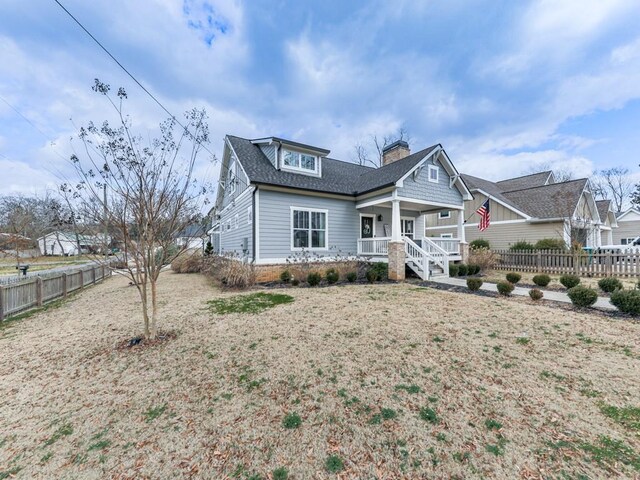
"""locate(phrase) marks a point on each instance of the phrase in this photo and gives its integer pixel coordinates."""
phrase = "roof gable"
(526, 181)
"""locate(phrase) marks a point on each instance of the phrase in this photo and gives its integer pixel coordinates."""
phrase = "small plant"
(154, 412)
(536, 294)
(280, 474)
(582, 297)
(522, 245)
(334, 464)
(252, 303)
(295, 282)
(428, 415)
(513, 277)
(569, 281)
(63, 431)
(492, 424)
(208, 249)
(505, 288)
(332, 276)
(285, 276)
(542, 280)
(627, 301)
(610, 284)
(372, 275)
(291, 421)
(474, 284)
(453, 269)
(479, 243)
(473, 269)
(388, 413)
(381, 269)
(352, 277)
(463, 270)
(314, 279)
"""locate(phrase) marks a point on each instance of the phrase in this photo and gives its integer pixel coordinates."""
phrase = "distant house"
(278, 199)
(59, 243)
(609, 222)
(193, 236)
(12, 245)
(529, 208)
(628, 226)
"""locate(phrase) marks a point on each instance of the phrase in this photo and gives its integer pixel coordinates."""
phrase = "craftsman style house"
(278, 199)
(628, 223)
(528, 208)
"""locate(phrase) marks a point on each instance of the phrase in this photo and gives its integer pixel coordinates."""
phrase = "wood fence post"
(539, 261)
(65, 288)
(1, 303)
(576, 267)
(39, 291)
(94, 274)
(81, 279)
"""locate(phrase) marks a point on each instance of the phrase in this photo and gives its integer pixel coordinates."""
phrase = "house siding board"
(231, 240)
(275, 223)
(499, 213)
(422, 189)
(626, 229)
(241, 186)
(269, 152)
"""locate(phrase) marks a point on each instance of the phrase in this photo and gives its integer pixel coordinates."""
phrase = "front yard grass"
(358, 381)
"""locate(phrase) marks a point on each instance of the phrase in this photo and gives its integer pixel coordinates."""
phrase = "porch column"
(461, 234)
(610, 237)
(395, 250)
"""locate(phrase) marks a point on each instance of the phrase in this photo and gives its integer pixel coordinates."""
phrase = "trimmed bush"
(479, 243)
(314, 279)
(332, 276)
(372, 275)
(381, 269)
(610, 284)
(536, 294)
(569, 281)
(463, 270)
(473, 269)
(582, 296)
(513, 277)
(505, 288)
(474, 284)
(550, 244)
(352, 277)
(542, 280)
(453, 269)
(295, 282)
(522, 245)
(627, 301)
(285, 276)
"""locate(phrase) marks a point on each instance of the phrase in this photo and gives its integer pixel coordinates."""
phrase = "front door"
(366, 227)
(406, 227)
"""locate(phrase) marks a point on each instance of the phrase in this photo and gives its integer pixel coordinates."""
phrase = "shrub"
(188, 262)
(550, 244)
(453, 269)
(582, 296)
(285, 276)
(542, 280)
(352, 277)
(569, 281)
(479, 243)
(230, 271)
(314, 279)
(484, 258)
(505, 288)
(372, 275)
(536, 294)
(513, 277)
(208, 250)
(473, 269)
(291, 421)
(474, 284)
(295, 282)
(332, 276)
(381, 269)
(522, 245)
(463, 270)
(627, 301)
(610, 284)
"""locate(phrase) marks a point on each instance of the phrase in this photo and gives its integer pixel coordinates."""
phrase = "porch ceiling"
(406, 205)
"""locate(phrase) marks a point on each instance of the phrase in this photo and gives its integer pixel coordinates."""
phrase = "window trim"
(249, 215)
(299, 168)
(446, 235)
(236, 221)
(443, 217)
(434, 168)
(326, 229)
(231, 177)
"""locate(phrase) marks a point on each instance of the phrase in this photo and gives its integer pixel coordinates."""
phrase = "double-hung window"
(231, 177)
(308, 229)
(446, 214)
(433, 173)
(299, 161)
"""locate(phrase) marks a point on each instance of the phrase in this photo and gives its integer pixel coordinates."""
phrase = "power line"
(24, 118)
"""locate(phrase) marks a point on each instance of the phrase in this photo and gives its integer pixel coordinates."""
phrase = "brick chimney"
(395, 151)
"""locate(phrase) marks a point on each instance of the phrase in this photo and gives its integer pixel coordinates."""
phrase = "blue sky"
(506, 87)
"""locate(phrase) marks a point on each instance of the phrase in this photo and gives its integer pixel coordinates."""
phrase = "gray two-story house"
(278, 198)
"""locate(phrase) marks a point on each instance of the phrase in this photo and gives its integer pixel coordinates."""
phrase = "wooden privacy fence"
(36, 291)
(592, 264)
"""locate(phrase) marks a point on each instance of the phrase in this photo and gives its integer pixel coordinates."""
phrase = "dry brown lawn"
(395, 380)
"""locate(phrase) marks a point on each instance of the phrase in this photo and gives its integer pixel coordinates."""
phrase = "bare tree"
(614, 184)
(559, 174)
(145, 193)
(373, 154)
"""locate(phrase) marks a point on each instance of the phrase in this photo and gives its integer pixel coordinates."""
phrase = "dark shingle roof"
(603, 208)
(527, 181)
(337, 176)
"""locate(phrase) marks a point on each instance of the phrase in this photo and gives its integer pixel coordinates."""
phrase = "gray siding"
(241, 185)
(231, 240)
(275, 223)
(269, 152)
(626, 229)
(421, 188)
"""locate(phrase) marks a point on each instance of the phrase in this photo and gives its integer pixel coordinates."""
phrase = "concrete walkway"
(602, 302)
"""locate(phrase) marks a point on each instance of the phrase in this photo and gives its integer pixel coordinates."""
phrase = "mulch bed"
(140, 343)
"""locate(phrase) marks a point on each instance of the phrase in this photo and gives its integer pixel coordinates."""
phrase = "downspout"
(253, 224)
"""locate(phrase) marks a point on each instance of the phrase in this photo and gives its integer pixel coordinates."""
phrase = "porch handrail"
(439, 255)
(418, 256)
(373, 246)
(450, 245)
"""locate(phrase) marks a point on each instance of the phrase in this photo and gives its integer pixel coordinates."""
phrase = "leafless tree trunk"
(378, 144)
(614, 184)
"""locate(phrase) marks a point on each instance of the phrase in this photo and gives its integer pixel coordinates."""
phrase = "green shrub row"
(543, 244)
(462, 270)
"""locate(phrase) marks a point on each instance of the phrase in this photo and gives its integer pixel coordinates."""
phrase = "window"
(308, 229)
(236, 221)
(228, 225)
(231, 177)
(299, 161)
(446, 214)
(249, 215)
(433, 173)
(446, 235)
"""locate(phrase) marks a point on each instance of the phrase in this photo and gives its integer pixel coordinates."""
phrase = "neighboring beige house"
(608, 220)
(527, 208)
(628, 227)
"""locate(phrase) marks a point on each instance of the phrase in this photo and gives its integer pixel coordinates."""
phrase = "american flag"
(485, 216)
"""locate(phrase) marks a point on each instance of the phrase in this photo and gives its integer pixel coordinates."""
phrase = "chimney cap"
(397, 143)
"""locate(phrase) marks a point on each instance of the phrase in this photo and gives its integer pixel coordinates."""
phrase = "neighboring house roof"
(526, 181)
(339, 177)
(192, 231)
(620, 215)
(603, 208)
(71, 237)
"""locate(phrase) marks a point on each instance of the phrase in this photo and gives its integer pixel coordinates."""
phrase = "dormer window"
(302, 162)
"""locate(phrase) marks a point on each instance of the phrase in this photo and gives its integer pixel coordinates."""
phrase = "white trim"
(446, 235)
(250, 215)
(400, 183)
(299, 169)
(506, 205)
(236, 221)
(371, 203)
(411, 219)
(257, 225)
(326, 229)
(442, 217)
(434, 168)
(627, 211)
(310, 193)
(371, 215)
(434, 204)
(455, 227)
(287, 261)
(231, 177)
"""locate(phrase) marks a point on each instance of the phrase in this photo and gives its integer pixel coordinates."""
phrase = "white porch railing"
(373, 246)
(438, 255)
(449, 245)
